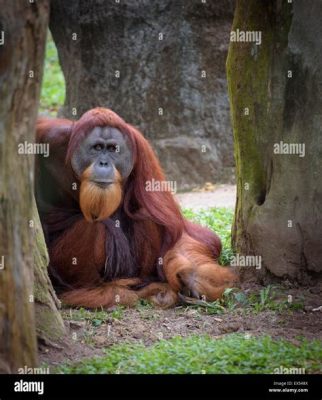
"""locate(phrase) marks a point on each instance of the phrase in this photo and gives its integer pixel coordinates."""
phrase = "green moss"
(250, 85)
(49, 324)
(248, 90)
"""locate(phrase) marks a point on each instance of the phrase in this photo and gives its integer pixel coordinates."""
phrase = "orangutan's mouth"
(103, 184)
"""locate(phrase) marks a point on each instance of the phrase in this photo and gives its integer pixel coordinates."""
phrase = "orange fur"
(160, 294)
(106, 295)
(190, 265)
(99, 203)
(118, 292)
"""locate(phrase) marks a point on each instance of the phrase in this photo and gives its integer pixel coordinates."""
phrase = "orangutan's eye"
(98, 147)
(113, 148)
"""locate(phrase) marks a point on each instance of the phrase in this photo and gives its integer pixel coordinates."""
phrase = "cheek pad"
(80, 161)
(124, 164)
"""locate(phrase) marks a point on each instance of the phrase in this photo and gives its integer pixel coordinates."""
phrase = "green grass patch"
(220, 221)
(267, 298)
(53, 83)
(233, 353)
(95, 317)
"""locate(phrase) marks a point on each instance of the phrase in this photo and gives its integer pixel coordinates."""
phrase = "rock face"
(276, 100)
(161, 66)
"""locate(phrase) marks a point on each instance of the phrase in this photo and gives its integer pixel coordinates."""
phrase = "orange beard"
(99, 203)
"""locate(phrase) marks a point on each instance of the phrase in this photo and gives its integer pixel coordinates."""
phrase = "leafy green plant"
(210, 308)
(265, 295)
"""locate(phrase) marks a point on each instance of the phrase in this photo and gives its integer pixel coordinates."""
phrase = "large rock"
(171, 56)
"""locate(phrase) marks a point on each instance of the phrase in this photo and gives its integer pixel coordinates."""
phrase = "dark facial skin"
(105, 148)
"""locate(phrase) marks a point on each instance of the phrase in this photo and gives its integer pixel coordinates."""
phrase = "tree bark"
(160, 65)
(23, 27)
(49, 323)
(275, 92)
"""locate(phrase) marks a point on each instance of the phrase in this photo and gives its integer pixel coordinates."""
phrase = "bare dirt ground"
(209, 196)
(148, 325)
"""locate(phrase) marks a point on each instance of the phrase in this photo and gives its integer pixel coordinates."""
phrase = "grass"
(234, 353)
(268, 298)
(53, 83)
(96, 318)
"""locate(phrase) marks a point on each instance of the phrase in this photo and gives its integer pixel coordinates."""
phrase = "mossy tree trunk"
(23, 27)
(275, 90)
(49, 323)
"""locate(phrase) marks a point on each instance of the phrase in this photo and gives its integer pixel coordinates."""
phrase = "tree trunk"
(275, 90)
(49, 323)
(159, 64)
(22, 39)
